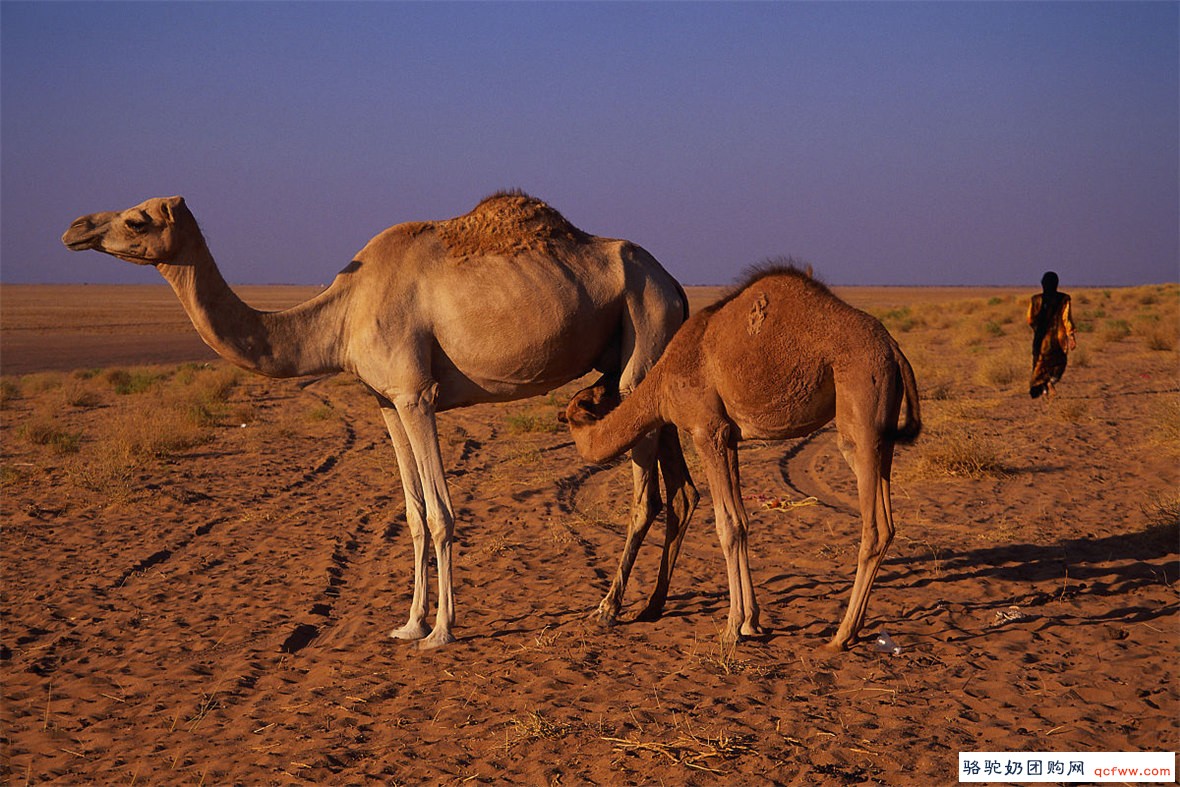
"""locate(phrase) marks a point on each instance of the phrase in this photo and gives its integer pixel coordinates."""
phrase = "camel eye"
(136, 225)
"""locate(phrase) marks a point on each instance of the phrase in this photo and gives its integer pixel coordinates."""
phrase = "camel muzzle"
(81, 235)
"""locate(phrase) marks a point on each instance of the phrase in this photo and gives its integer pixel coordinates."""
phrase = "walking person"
(1054, 336)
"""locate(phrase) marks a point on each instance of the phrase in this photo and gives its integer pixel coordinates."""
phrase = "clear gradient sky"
(886, 143)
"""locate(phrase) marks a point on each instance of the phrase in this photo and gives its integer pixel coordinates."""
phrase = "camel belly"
(784, 406)
(528, 335)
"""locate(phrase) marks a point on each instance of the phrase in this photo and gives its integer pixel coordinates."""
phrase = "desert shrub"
(900, 320)
(179, 418)
(1163, 512)
(217, 384)
(41, 382)
(10, 475)
(10, 391)
(1157, 334)
(124, 382)
(203, 392)
(107, 467)
(161, 431)
(1116, 330)
(1166, 414)
(959, 451)
(1161, 339)
(533, 422)
(79, 395)
(44, 432)
(1073, 410)
(322, 412)
(1080, 357)
(936, 389)
(1002, 369)
(993, 328)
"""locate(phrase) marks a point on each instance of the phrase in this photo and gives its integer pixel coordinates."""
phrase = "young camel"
(778, 359)
(505, 302)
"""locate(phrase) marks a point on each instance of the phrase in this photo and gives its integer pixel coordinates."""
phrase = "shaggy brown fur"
(506, 223)
(779, 358)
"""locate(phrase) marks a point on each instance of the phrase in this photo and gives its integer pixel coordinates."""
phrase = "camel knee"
(727, 535)
(441, 524)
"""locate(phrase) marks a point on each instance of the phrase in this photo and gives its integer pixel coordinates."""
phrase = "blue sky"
(886, 143)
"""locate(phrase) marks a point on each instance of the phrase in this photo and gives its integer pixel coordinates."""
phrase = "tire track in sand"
(44, 648)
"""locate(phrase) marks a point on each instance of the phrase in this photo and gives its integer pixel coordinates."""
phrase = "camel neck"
(298, 341)
(622, 427)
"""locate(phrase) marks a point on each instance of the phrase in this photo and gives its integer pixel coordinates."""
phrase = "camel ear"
(172, 207)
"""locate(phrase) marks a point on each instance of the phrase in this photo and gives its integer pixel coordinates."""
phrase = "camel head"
(589, 405)
(155, 231)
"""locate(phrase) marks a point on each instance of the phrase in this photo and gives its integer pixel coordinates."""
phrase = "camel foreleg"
(645, 507)
(415, 627)
(681, 499)
(417, 416)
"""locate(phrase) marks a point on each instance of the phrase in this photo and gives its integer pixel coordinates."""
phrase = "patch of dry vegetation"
(172, 412)
(1167, 424)
(959, 451)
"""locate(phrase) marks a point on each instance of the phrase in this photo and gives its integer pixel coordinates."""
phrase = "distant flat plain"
(58, 327)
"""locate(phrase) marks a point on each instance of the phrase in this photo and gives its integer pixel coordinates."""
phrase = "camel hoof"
(651, 613)
(436, 640)
(605, 616)
(833, 646)
(410, 631)
(752, 630)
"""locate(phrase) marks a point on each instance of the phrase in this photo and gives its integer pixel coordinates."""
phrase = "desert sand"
(201, 567)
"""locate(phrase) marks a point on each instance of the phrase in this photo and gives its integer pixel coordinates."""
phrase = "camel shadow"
(1113, 566)
(1078, 568)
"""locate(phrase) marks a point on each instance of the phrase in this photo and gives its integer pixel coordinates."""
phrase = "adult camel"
(505, 302)
(778, 359)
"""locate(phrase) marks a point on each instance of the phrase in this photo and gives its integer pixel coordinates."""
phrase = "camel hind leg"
(870, 455)
(718, 451)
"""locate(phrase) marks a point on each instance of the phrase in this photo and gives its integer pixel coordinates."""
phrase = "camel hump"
(507, 223)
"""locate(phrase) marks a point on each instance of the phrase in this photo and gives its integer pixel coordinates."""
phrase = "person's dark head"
(1049, 282)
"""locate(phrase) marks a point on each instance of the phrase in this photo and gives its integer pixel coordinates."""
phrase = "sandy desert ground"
(200, 568)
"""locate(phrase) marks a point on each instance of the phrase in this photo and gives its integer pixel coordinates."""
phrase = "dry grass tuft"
(1073, 411)
(533, 422)
(1003, 369)
(44, 432)
(125, 382)
(533, 726)
(691, 750)
(721, 656)
(957, 450)
(186, 406)
(1115, 330)
(1167, 423)
(10, 391)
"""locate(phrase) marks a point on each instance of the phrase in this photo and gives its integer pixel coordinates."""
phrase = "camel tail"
(909, 431)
